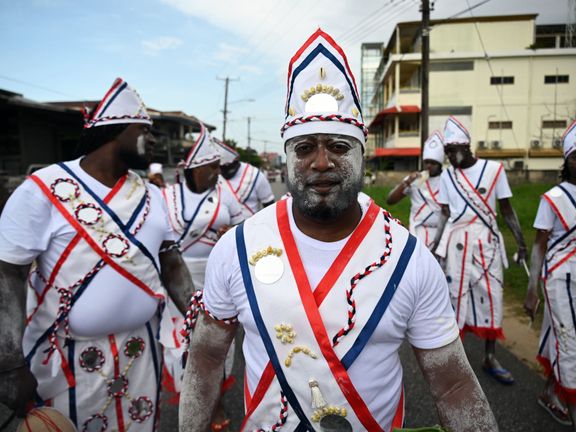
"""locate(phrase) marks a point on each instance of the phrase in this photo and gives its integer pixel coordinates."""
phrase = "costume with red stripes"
(473, 245)
(100, 381)
(424, 208)
(557, 351)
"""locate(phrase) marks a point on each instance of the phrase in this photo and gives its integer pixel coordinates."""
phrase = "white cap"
(155, 168)
(569, 139)
(203, 152)
(322, 96)
(120, 105)
(227, 153)
(455, 132)
(434, 148)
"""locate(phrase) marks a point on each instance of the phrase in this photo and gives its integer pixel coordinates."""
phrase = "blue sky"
(172, 51)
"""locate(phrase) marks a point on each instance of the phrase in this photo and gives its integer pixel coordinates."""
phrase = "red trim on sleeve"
(557, 211)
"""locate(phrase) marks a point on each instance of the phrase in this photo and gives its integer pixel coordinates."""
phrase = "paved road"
(515, 406)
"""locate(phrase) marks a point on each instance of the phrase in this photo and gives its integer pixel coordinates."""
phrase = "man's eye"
(302, 148)
(339, 147)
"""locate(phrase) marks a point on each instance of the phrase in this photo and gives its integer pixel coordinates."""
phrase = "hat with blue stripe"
(569, 139)
(203, 152)
(322, 96)
(455, 132)
(227, 153)
(120, 105)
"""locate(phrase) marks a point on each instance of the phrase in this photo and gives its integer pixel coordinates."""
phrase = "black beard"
(135, 161)
(323, 211)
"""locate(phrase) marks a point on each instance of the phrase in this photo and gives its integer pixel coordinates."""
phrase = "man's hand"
(18, 389)
(521, 255)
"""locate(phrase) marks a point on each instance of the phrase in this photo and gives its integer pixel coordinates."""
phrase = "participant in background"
(156, 175)
(246, 182)
(554, 262)
(327, 285)
(470, 242)
(91, 241)
(422, 188)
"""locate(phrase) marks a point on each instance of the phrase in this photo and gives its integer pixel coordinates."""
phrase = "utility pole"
(225, 110)
(248, 118)
(425, 31)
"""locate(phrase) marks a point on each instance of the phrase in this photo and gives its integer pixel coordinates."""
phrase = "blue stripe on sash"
(252, 188)
(191, 221)
(423, 197)
(137, 211)
(568, 195)
(382, 304)
(477, 186)
(471, 206)
(290, 396)
(113, 215)
(571, 301)
(562, 237)
(120, 89)
(72, 390)
(544, 339)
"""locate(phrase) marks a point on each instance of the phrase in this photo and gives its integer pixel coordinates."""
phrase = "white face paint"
(346, 170)
(459, 157)
(141, 145)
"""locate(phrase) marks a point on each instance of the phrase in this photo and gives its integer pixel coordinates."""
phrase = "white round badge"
(269, 269)
(65, 189)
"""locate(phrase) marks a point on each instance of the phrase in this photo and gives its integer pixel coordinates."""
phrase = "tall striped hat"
(569, 139)
(227, 153)
(120, 105)
(455, 132)
(434, 148)
(322, 96)
(203, 152)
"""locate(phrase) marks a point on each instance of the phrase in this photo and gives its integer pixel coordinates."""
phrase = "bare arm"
(536, 260)
(204, 372)
(442, 220)
(511, 220)
(397, 193)
(460, 401)
(175, 276)
(17, 384)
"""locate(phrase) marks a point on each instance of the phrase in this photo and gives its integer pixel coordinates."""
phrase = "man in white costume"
(245, 182)
(554, 262)
(422, 188)
(470, 242)
(100, 291)
(327, 285)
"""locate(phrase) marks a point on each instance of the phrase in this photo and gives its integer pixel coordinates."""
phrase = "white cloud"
(229, 53)
(162, 43)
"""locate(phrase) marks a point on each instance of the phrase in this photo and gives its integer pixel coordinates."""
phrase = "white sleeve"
(444, 188)
(223, 276)
(432, 323)
(502, 188)
(545, 216)
(25, 225)
(169, 233)
(263, 189)
(234, 209)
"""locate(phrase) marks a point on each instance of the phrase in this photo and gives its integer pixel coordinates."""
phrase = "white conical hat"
(203, 151)
(120, 105)
(455, 132)
(434, 147)
(569, 139)
(227, 153)
(322, 96)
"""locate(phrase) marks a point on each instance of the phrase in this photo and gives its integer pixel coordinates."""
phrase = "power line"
(364, 21)
(4, 77)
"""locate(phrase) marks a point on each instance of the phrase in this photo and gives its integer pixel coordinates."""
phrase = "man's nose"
(322, 160)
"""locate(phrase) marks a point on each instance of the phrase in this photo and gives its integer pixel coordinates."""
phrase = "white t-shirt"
(449, 196)
(419, 311)
(547, 220)
(31, 228)
(416, 200)
(229, 213)
(262, 192)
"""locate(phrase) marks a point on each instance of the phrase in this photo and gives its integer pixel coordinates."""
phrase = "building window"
(451, 66)
(499, 80)
(500, 125)
(553, 124)
(556, 79)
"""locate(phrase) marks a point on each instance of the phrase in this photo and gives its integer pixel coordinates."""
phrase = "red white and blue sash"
(339, 321)
(429, 207)
(245, 188)
(197, 228)
(563, 248)
(105, 235)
